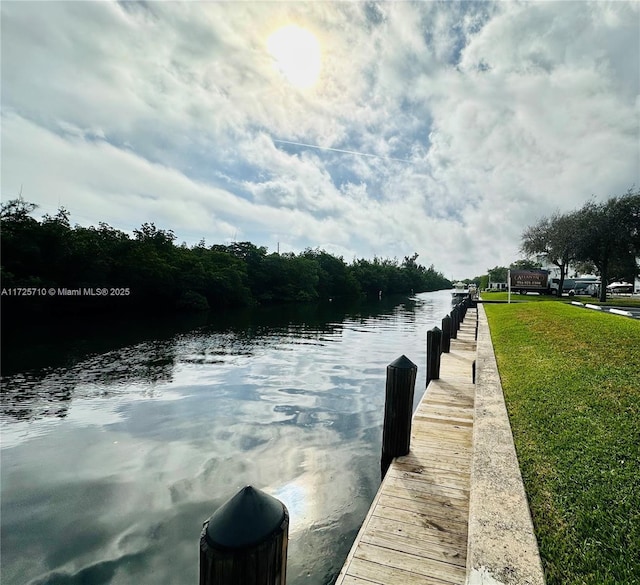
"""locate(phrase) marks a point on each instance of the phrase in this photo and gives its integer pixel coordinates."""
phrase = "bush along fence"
(245, 541)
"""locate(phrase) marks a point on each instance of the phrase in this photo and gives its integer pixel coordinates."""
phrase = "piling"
(454, 323)
(446, 334)
(398, 410)
(434, 349)
(245, 541)
(463, 310)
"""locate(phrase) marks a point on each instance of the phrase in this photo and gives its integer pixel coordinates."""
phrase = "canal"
(120, 438)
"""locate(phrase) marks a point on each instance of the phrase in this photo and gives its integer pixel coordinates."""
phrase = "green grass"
(503, 296)
(571, 380)
(617, 301)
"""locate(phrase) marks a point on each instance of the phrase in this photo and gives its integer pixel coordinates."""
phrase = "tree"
(17, 210)
(624, 269)
(609, 236)
(55, 240)
(497, 274)
(150, 234)
(19, 239)
(525, 265)
(335, 280)
(553, 239)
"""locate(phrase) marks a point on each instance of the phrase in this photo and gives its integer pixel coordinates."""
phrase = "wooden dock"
(416, 529)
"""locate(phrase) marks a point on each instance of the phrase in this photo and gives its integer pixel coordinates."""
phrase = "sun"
(296, 54)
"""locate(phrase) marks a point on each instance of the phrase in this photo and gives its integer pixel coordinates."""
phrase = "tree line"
(154, 272)
(601, 238)
(598, 238)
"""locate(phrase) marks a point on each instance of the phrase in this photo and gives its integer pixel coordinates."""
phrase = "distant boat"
(460, 291)
(620, 287)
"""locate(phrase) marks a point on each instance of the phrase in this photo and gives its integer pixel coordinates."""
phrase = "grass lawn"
(571, 381)
(618, 301)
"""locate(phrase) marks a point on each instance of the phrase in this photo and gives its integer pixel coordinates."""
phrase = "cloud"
(171, 112)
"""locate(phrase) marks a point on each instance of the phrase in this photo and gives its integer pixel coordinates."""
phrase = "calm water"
(118, 444)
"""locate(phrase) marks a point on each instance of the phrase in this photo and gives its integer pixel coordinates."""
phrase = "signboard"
(529, 279)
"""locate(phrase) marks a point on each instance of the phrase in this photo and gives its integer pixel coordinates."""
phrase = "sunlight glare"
(296, 52)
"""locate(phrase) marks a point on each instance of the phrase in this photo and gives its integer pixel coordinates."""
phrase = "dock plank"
(441, 477)
(451, 541)
(382, 574)
(437, 552)
(417, 564)
(417, 527)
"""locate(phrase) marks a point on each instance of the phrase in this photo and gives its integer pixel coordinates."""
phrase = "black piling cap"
(402, 363)
(245, 520)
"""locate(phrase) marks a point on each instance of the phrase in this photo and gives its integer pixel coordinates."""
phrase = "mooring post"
(434, 347)
(454, 324)
(245, 541)
(455, 316)
(398, 409)
(446, 334)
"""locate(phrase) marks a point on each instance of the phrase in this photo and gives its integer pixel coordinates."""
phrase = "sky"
(364, 129)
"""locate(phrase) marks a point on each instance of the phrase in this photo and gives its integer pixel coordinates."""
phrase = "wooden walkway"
(416, 529)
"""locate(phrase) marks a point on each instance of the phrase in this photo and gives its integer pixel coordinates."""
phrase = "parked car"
(593, 289)
(582, 286)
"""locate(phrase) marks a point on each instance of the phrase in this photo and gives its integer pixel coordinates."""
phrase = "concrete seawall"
(502, 547)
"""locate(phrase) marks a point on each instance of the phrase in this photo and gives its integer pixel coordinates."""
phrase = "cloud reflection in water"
(118, 489)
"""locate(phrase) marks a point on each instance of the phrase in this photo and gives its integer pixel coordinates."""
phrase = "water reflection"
(156, 433)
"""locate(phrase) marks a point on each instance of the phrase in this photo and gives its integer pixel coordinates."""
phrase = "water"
(118, 444)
